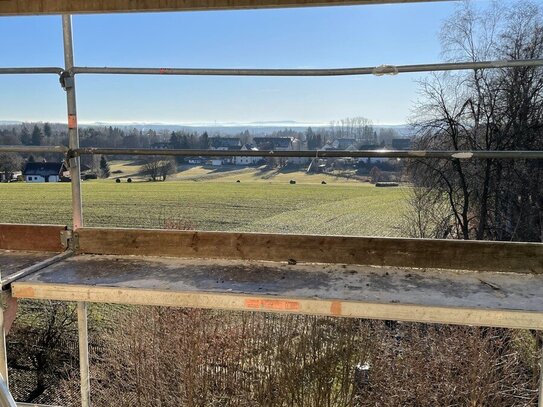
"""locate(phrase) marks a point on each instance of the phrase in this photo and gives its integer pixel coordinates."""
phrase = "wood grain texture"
(513, 319)
(42, 238)
(36, 7)
(416, 253)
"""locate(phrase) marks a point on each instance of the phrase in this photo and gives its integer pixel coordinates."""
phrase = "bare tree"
(158, 168)
(166, 168)
(358, 128)
(486, 109)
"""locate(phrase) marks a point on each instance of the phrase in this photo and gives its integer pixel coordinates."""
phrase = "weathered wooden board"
(435, 296)
(419, 253)
(30, 7)
(45, 238)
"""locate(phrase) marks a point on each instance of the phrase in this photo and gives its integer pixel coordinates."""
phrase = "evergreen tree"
(25, 136)
(204, 141)
(104, 167)
(47, 130)
(37, 136)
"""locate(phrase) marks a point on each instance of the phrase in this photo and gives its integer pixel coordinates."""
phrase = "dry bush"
(172, 357)
(42, 350)
(185, 357)
(436, 365)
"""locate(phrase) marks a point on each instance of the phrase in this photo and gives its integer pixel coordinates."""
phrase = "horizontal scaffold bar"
(31, 70)
(33, 149)
(372, 70)
(424, 154)
(316, 154)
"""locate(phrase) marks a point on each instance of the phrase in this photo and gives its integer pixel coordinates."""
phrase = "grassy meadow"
(260, 202)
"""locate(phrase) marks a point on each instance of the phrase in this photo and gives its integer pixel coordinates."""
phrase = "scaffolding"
(47, 262)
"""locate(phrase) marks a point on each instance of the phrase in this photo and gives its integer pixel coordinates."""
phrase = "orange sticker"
(272, 305)
(335, 308)
(23, 292)
(72, 121)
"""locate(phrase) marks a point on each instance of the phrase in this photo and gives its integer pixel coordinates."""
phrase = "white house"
(247, 160)
(44, 172)
(224, 144)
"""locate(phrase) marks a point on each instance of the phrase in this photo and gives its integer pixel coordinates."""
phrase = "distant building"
(344, 144)
(44, 172)
(196, 160)
(224, 143)
(274, 143)
(401, 144)
(161, 146)
(247, 160)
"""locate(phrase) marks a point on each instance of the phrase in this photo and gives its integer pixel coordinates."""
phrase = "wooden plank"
(398, 312)
(43, 238)
(36, 7)
(419, 253)
(435, 296)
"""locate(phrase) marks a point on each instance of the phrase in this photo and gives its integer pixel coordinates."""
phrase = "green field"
(350, 208)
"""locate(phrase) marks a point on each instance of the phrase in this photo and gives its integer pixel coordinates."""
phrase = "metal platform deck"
(511, 300)
(13, 261)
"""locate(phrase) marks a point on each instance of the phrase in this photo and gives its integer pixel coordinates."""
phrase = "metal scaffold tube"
(34, 149)
(68, 82)
(83, 353)
(3, 351)
(6, 399)
(32, 70)
(418, 154)
(424, 154)
(375, 70)
(540, 387)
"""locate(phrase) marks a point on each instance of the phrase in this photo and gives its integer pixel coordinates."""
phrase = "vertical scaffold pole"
(3, 351)
(540, 400)
(68, 82)
(83, 353)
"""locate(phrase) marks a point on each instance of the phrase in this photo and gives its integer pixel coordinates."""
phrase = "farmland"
(350, 208)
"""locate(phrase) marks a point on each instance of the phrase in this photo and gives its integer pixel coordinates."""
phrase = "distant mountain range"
(226, 128)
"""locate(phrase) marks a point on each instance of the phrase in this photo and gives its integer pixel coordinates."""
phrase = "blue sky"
(279, 38)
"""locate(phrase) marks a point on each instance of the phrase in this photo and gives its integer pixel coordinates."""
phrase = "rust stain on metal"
(335, 308)
(272, 305)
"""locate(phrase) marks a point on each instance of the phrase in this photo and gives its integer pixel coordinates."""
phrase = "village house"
(274, 143)
(247, 160)
(161, 146)
(282, 144)
(44, 172)
(224, 143)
